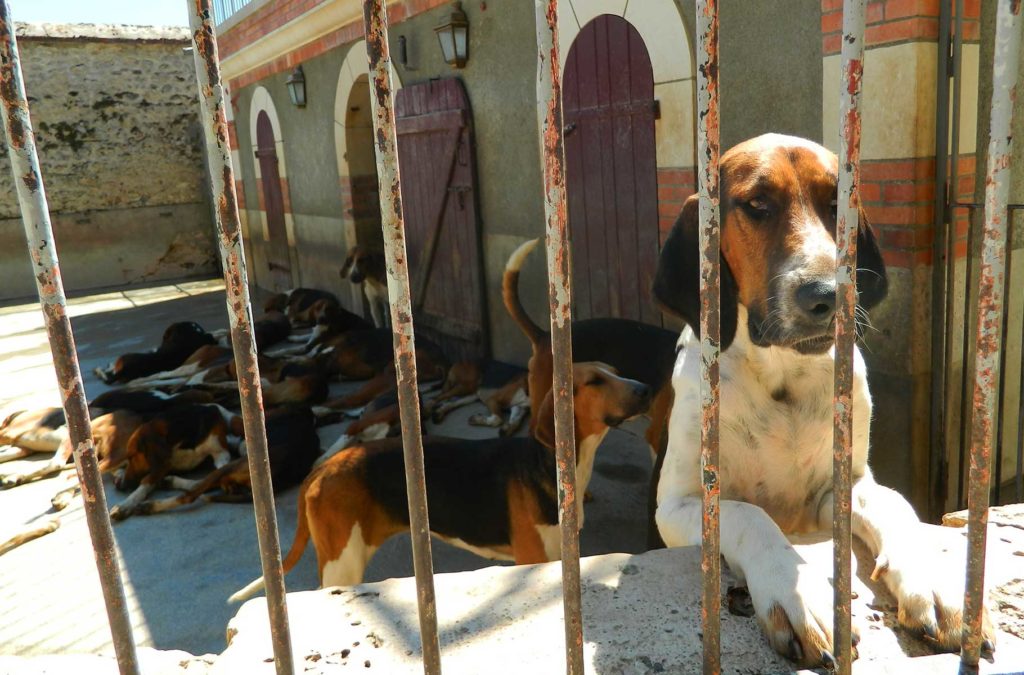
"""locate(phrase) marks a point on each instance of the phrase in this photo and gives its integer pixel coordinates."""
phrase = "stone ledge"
(641, 615)
(101, 31)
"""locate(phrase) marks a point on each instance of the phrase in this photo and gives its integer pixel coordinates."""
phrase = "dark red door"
(437, 163)
(273, 204)
(609, 112)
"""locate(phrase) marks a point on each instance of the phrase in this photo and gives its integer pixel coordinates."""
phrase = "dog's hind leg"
(347, 569)
(9, 453)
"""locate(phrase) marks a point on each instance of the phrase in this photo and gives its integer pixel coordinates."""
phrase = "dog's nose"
(817, 299)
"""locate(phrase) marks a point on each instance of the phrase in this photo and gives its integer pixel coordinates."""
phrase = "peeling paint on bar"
(549, 122)
(393, 226)
(218, 151)
(708, 152)
(848, 218)
(990, 310)
(35, 216)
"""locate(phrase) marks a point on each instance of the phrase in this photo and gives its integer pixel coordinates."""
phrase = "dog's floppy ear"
(677, 280)
(872, 281)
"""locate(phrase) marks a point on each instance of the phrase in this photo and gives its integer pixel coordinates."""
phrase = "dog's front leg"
(930, 599)
(793, 601)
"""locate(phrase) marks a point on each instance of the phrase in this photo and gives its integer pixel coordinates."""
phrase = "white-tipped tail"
(247, 592)
(515, 261)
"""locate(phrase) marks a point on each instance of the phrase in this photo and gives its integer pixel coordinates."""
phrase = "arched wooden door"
(273, 204)
(609, 111)
(437, 159)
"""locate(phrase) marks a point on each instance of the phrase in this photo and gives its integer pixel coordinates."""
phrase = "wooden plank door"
(437, 161)
(278, 259)
(611, 167)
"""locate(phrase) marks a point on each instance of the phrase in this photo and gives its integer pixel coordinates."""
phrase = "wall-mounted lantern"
(453, 35)
(297, 87)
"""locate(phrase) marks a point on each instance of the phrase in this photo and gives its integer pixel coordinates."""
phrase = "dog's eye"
(757, 208)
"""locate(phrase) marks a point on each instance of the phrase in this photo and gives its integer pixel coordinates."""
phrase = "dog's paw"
(120, 512)
(793, 604)
(931, 601)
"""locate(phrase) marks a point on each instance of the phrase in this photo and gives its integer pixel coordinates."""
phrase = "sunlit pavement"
(179, 568)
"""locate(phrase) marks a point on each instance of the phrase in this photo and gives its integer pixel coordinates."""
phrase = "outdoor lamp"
(453, 35)
(297, 87)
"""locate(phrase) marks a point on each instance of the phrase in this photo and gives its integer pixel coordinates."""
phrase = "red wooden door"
(609, 111)
(273, 203)
(437, 162)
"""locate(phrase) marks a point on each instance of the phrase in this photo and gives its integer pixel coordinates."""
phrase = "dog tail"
(291, 560)
(510, 292)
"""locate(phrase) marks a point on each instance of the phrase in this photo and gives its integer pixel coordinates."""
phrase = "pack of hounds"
(175, 409)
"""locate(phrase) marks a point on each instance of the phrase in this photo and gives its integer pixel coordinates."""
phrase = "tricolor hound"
(494, 497)
(778, 219)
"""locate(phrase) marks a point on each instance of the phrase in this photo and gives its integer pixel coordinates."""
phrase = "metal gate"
(437, 161)
(611, 167)
(957, 252)
(273, 204)
(987, 356)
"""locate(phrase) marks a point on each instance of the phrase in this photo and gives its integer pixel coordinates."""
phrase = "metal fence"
(32, 197)
(955, 303)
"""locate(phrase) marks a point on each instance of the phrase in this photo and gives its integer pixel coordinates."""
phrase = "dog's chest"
(777, 448)
(775, 430)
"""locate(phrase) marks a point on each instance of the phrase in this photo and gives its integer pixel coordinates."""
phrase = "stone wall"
(115, 113)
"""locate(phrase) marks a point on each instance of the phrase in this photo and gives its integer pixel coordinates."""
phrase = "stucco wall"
(115, 113)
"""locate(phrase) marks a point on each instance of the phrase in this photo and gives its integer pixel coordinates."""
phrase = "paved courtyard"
(179, 568)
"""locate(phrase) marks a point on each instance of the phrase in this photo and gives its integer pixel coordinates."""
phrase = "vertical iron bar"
(35, 216)
(848, 218)
(218, 151)
(941, 250)
(997, 422)
(549, 123)
(990, 308)
(958, 49)
(710, 324)
(393, 226)
(1018, 478)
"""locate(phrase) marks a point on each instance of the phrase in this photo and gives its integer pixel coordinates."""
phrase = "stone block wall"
(115, 112)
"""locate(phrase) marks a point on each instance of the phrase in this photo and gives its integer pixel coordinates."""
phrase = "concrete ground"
(179, 568)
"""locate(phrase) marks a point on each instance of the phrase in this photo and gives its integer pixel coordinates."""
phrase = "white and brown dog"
(366, 268)
(778, 219)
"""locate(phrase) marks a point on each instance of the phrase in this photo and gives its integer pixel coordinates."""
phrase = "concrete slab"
(641, 615)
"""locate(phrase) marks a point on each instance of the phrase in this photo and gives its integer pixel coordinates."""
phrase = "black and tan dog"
(292, 446)
(114, 417)
(494, 497)
(180, 341)
(636, 350)
(301, 305)
(366, 354)
(179, 439)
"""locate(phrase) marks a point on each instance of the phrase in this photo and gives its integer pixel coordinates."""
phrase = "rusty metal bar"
(222, 181)
(549, 123)
(710, 325)
(848, 219)
(990, 309)
(393, 226)
(35, 216)
(942, 248)
(954, 435)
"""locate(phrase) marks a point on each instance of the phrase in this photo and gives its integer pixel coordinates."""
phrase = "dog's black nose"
(642, 391)
(817, 299)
